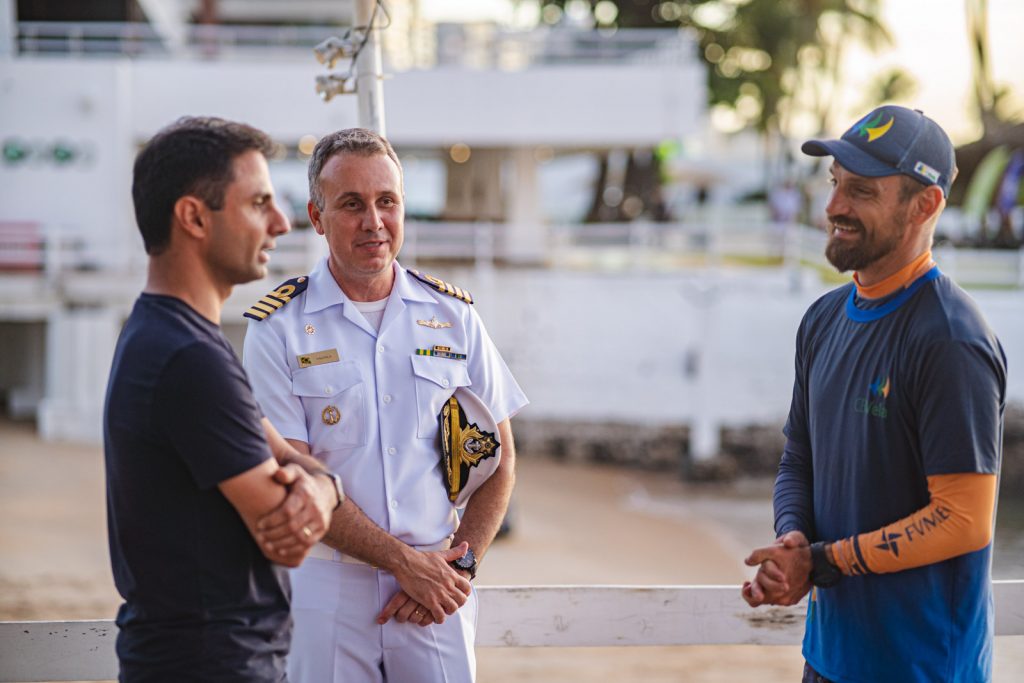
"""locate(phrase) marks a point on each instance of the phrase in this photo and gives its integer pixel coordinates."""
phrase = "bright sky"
(930, 43)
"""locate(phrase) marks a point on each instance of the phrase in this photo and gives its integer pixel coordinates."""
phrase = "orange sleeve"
(958, 520)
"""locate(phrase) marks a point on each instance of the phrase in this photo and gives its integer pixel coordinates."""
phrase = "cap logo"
(927, 171)
(869, 127)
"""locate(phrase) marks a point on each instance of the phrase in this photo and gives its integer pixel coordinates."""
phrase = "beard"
(871, 246)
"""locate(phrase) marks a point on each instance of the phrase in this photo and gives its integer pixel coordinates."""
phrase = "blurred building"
(476, 110)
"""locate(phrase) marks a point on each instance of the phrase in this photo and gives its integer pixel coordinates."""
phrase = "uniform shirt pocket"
(436, 381)
(333, 398)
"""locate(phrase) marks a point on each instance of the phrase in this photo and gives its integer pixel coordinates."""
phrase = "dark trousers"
(812, 676)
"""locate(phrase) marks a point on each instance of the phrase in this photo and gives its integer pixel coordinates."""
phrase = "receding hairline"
(365, 154)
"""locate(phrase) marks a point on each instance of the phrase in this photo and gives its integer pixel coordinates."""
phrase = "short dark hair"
(360, 141)
(192, 156)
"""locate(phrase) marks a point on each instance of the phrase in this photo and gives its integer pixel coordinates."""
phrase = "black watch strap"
(824, 574)
(466, 563)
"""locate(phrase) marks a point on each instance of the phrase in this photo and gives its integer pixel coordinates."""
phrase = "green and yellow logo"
(872, 127)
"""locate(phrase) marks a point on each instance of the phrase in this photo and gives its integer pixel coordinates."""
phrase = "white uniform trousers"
(337, 638)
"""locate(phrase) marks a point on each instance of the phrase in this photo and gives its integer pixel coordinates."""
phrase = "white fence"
(478, 46)
(510, 616)
(30, 247)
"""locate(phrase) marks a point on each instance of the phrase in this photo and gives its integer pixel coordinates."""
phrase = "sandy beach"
(573, 524)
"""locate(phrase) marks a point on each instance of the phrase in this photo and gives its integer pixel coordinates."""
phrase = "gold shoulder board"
(442, 286)
(285, 292)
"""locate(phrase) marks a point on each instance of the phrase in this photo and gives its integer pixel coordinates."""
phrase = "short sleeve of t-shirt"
(960, 397)
(205, 409)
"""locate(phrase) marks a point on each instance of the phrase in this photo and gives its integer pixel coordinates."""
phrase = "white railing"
(490, 47)
(135, 39)
(30, 247)
(510, 616)
(474, 242)
(476, 46)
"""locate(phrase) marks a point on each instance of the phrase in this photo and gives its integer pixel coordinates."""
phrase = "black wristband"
(824, 574)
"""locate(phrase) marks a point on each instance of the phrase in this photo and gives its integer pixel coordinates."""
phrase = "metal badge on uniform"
(470, 451)
(434, 323)
(308, 360)
(330, 415)
(441, 352)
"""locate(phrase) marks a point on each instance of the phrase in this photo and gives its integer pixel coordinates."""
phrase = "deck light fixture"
(334, 84)
(334, 48)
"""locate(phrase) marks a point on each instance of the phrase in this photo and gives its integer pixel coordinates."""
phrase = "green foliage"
(892, 85)
(765, 52)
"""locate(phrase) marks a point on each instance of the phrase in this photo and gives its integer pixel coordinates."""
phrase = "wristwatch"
(824, 574)
(338, 488)
(466, 563)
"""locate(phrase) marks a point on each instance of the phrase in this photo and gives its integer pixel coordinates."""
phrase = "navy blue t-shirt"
(202, 603)
(889, 392)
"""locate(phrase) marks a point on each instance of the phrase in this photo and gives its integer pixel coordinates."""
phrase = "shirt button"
(394, 504)
(328, 390)
(387, 398)
(445, 382)
(380, 348)
(392, 450)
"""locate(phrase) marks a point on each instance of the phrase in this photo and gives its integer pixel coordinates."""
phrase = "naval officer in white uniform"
(354, 364)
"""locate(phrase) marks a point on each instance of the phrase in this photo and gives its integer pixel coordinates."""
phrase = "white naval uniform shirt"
(385, 444)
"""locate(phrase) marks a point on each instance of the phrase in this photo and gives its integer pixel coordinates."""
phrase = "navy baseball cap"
(892, 140)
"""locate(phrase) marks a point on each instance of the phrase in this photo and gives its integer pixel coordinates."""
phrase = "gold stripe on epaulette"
(263, 307)
(276, 299)
(442, 286)
(284, 292)
(271, 301)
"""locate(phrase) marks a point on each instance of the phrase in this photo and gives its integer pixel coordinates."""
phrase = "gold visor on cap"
(470, 451)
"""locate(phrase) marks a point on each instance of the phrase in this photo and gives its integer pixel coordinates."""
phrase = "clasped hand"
(288, 531)
(783, 574)
(431, 588)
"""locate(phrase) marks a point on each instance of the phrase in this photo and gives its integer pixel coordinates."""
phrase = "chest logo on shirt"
(874, 403)
(434, 323)
(308, 360)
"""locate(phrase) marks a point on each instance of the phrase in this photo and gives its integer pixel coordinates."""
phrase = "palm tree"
(999, 134)
(769, 60)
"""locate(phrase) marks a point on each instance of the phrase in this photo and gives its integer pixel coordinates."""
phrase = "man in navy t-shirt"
(885, 498)
(194, 473)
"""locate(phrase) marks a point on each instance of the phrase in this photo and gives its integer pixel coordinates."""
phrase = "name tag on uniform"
(308, 360)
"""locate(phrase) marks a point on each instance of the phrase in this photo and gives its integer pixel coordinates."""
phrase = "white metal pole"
(369, 87)
(8, 29)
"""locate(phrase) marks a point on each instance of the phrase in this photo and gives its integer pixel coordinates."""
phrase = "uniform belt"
(324, 552)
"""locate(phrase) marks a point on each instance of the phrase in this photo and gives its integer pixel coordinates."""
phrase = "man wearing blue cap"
(885, 497)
